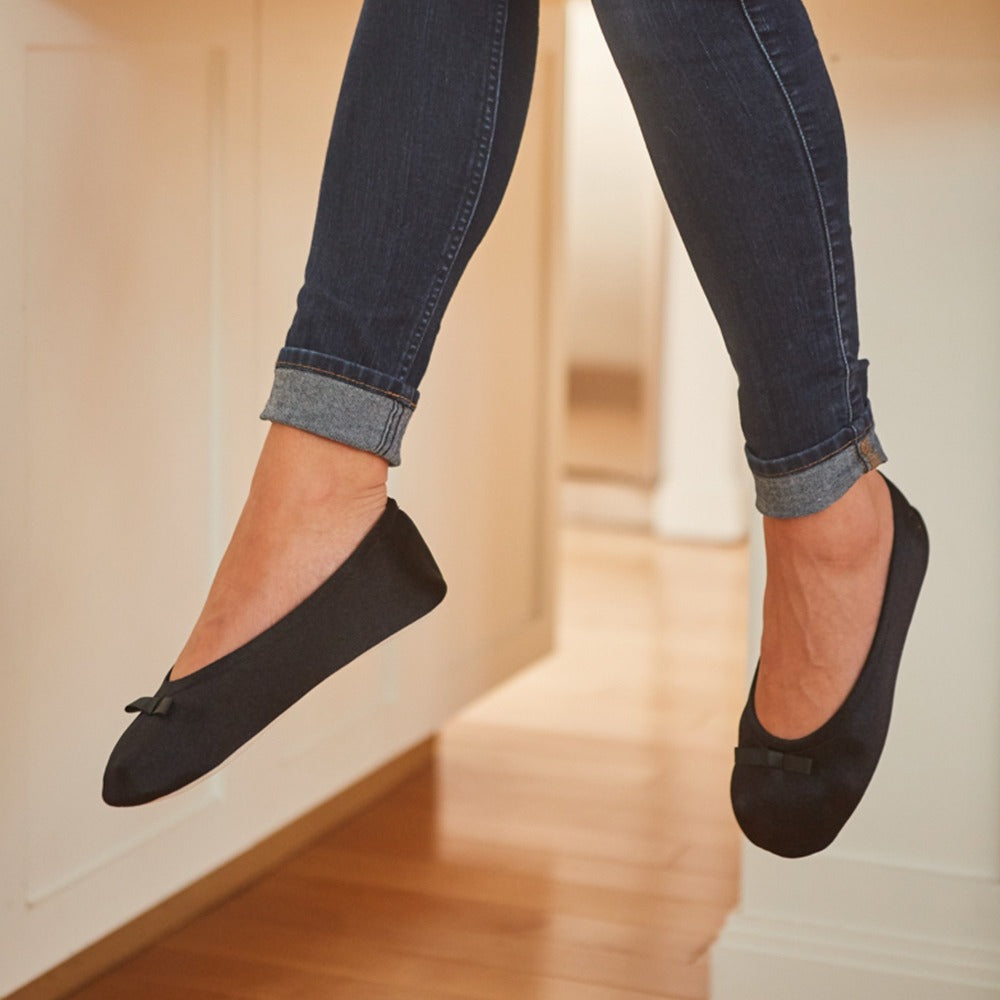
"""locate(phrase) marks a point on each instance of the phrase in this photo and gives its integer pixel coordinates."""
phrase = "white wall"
(906, 904)
(704, 486)
(159, 177)
(614, 210)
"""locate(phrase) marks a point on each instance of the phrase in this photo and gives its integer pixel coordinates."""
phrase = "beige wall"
(159, 177)
(614, 210)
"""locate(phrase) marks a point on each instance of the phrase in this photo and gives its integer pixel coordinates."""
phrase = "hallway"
(573, 840)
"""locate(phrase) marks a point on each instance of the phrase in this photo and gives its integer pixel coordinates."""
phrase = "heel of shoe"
(420, 563)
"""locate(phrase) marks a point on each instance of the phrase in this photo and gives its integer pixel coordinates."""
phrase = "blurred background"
(157, 191)
(651, 434)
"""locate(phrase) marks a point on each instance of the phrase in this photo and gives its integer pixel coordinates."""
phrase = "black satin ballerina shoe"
(792, 797)
(193, 724)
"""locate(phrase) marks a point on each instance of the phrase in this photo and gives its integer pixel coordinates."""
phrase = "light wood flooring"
(572, 841)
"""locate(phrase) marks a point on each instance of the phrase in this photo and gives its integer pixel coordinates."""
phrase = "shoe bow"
(151, 705)
(762, 757)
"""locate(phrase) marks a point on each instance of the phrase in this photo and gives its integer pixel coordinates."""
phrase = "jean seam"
(819, 199)
(388, 432)
(383, 437)
(854, 442)
(345, 378)
(472, 194)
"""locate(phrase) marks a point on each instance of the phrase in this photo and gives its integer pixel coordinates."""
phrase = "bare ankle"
(316, 469)
(845, 531)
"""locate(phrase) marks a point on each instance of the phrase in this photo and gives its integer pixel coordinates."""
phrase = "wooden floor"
(573, 840)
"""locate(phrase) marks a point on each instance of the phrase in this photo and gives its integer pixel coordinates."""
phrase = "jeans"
(743, 128)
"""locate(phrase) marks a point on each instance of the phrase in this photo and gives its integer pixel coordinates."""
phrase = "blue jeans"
(742, 125)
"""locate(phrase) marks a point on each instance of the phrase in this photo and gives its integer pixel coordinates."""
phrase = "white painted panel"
(160, 186)
(118, 324)
(132, 241)
(927, 206)
(704, 485)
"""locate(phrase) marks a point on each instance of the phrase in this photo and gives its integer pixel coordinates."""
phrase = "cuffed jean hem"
(345, 411)
(815, 485)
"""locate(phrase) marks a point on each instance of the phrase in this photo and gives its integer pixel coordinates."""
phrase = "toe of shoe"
(121, 787)
(141, 768)
(785, 814)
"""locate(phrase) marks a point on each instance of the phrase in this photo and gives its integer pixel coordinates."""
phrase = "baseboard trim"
(758, 957)
(184, 906)
(619, 387)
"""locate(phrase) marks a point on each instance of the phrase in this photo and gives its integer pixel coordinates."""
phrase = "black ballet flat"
(193, 724)
(792, 797)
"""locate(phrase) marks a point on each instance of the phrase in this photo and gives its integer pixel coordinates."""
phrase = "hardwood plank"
(465, 950)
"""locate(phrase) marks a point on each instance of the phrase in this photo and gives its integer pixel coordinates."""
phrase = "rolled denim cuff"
(820, 481)
(339, 405)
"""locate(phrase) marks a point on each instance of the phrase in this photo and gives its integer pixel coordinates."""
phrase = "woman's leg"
(428, 123)
(743, 128)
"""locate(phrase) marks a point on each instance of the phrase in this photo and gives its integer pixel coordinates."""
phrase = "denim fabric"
(743, 129)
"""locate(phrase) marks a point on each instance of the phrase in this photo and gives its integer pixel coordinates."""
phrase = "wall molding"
(226, 881)
(874, 932)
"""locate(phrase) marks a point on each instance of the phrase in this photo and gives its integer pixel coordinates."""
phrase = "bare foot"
(826, 577)
(310, 503)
